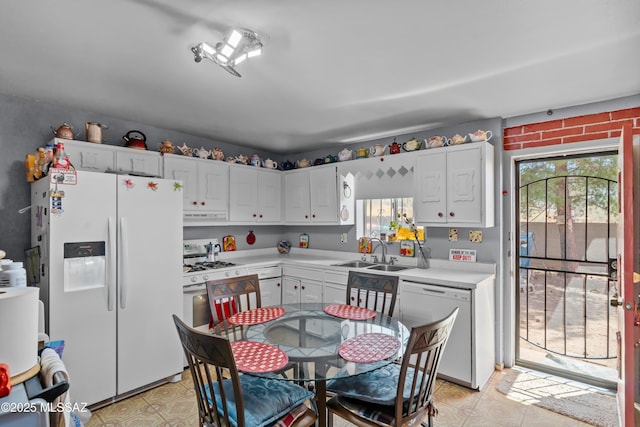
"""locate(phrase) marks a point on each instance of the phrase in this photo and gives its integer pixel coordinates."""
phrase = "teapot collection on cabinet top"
(137, 140)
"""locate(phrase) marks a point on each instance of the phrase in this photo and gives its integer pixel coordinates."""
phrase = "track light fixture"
(239, 45)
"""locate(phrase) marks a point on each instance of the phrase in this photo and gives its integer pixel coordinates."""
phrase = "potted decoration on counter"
(423, 259)
(394, 226)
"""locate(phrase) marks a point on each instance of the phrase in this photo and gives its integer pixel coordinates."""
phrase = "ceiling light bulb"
(227, 50)
(207, 48)
(234, 38)
(255, 52)
(240, 59)
(221, 58)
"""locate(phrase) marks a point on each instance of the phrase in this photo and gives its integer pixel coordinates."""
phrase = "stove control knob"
(227, 273)
(205, 277)
(194, 279)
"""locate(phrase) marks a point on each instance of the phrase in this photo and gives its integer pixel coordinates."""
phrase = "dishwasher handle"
(441, 291)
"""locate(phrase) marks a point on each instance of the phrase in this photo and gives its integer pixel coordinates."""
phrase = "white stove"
(198, 269)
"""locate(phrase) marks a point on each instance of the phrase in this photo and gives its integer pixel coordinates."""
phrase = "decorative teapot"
(201, 152)
(166, 147)
(457, 139)
(303, 163)
(329, 158)
(139, 141)
(394, 148)
(64, 131)
(185, 150)
(362, 153)
(270, 164)
(437, 141)
(344, 155)
(377, 150)
(94, 132)
(217, 154)
(256, 161)
(480, 135)
(287, 165)
(411, 145)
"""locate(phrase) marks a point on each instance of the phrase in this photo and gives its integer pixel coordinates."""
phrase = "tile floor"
(175, 405)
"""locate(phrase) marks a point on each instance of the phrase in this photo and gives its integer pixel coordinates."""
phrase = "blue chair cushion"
(265, 400)
(379, 386)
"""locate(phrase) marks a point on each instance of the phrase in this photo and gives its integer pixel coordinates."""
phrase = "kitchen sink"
(387, 267)
(355, 264)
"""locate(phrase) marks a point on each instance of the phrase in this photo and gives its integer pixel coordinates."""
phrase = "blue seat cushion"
(265, 399)
(378, 387)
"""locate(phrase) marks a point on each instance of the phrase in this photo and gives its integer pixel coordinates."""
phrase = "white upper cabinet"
(311, 195)
(205, 188)
(454, 186)
(255, 195)
(94, 157)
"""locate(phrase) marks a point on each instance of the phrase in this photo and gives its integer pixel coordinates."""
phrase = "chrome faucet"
(384, 249)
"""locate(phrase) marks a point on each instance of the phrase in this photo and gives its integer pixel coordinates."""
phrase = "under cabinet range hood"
(204, 218)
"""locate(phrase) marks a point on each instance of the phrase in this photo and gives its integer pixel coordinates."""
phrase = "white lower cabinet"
(270, 279)
(469, 356)
(300, 284)
(335, 287)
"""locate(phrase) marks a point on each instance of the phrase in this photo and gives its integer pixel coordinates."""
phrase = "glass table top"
(311, 338)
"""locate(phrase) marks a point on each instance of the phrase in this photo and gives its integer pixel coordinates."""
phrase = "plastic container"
(13, 276)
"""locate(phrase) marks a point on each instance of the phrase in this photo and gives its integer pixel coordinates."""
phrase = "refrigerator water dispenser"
(85, 266)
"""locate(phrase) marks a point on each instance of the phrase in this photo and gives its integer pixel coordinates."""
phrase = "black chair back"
(377, 292)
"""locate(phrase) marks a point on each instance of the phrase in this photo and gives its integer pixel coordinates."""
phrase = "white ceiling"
(332, 72)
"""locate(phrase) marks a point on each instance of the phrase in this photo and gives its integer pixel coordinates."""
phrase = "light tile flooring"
(175, 405)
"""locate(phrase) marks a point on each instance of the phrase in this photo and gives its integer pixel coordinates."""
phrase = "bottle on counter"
(13, 275)
(30, 167)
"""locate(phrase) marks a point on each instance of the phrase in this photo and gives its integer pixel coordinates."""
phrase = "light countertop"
(441, 272)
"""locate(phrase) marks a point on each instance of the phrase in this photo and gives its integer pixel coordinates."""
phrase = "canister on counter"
(304, 240)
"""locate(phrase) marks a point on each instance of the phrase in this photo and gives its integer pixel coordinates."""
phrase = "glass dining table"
(321, 342)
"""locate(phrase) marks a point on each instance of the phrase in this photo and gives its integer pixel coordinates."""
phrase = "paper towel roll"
(19, 329)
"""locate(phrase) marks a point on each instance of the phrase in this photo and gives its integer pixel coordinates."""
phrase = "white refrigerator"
(110, 276)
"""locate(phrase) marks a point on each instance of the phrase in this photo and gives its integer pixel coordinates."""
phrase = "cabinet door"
(213, 185)
(297, 197)
(270, 292)
(464, 185)
(290, 290)
(323, 187)
(138, 161)
(431, 187)
(186, 170)
(243, 194)
(334, 293)
(310, 291)
(89, 157)
(269, 196)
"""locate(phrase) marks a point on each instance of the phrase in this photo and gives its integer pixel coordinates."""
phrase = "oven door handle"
(197, 287)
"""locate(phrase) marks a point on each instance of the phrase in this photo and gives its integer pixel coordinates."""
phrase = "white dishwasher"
(423, 303)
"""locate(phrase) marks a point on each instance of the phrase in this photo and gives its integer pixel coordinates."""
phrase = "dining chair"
(400, 393)
(227, 398)
(232, 295)
(377, 292)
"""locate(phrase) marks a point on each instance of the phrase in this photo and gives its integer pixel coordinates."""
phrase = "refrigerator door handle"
(124, 255)
(111, 264)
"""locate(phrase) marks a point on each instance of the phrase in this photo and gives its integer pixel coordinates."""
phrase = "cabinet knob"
(313, 216)
(278, 285)
(452, 214)
(295, 286)
(195, 203)
(260, 215)
(254, 215)
(306, 216)
(302, 287)
(440, 214)
(202, 203)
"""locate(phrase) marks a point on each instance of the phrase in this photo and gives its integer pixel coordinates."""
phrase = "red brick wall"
(571, 129)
